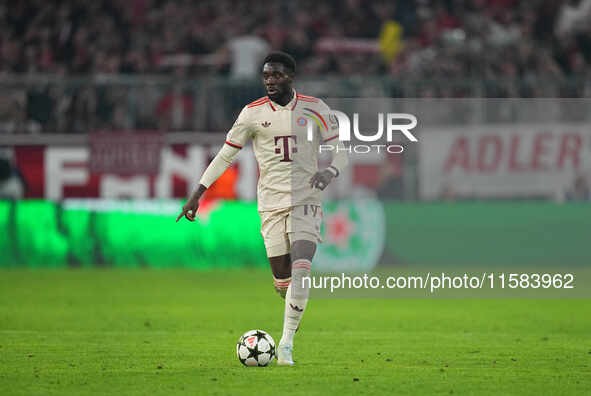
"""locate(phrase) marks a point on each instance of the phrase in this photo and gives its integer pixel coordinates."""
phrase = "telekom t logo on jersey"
(341, 120)
(283, 143)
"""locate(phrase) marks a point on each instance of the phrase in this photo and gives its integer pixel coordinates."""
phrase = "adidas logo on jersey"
(266, 124)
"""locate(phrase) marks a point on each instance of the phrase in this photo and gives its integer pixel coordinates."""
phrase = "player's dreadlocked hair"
(281, 57)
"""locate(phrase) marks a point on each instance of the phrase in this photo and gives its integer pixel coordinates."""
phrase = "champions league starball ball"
(255, 348)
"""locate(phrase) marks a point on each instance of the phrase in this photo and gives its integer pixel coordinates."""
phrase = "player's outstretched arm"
(189, 209)
(216, 168)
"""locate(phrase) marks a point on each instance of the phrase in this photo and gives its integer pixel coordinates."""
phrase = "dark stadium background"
(110, 111)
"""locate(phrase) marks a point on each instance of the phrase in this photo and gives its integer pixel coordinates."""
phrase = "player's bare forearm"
(218, 165)
(189, 209)
(197, 193)
(340, 160)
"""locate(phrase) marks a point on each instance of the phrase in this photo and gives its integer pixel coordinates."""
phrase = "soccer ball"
(255, 348)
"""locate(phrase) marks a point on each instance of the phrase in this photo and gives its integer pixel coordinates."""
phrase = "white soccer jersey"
(287, 160)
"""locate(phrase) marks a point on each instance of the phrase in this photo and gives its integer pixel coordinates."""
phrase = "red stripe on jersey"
(330, 138)
(295, 103)
(258, 100)
(271, 104)
(233, 145)
(307, 97)
(308, 100)
(258, 103)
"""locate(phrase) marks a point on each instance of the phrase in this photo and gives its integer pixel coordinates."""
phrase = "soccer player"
(290, 182)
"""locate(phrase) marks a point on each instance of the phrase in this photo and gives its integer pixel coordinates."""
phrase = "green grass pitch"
(166, 332)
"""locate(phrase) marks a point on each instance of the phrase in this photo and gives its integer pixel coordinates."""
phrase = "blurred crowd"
(481, 38)
(512, 48)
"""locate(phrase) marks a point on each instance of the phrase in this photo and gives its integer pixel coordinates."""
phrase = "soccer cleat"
(284, 355)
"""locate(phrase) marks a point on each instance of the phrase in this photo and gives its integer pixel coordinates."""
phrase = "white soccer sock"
(295, 300)
(281, 286)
